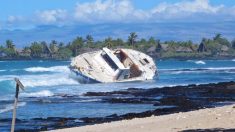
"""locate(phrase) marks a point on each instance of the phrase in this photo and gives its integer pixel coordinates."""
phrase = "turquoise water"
(47, 82)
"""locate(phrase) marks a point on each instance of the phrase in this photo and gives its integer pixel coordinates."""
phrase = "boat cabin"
(123, 66)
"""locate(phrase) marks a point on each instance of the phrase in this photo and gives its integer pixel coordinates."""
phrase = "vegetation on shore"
(217, 47)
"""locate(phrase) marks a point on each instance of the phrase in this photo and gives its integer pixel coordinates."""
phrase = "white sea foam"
(221, 68)
(12, 70)
(177, 72)
(7, 97)
(47, 80)
(207, 68)
(88, 100)
(10, 107)
(2, 70)
(48, 69)
(200, 62)
(7, 77)
(44, 93)
(199, 70)
(59, 77)
(233, 59)
(42, 80)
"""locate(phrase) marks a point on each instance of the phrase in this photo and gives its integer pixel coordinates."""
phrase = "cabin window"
(146, 61)
(126, 76)
(110, 62)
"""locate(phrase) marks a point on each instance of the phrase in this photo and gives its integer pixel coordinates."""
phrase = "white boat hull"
(120, 65)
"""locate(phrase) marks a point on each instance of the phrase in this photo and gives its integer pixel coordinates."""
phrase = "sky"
(25, 21)
(16, 14)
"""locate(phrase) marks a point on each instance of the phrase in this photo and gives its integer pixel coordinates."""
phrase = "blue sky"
(25, 21)
(25, 7)
(29, 13)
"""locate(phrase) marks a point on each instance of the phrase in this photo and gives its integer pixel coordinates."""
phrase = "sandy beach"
(211, 118)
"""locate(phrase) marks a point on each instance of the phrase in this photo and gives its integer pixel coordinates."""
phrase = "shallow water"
(47, 83)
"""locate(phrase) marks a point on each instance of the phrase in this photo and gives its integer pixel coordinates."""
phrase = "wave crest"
(47, 80)
(199, 70)
(47, 69)
(9, 107)
(200, 62)
(42, 80)
(44, 93)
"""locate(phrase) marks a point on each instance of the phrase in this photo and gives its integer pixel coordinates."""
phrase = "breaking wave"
(12, 70)
(2, 70)
(233, 59)
(47, 80)
(88, 100)
(199, 70)
(44, 93)
(7, 78)
(9, 107)
(60, 76)
(200, 62)
(42, 80)
(47, 69)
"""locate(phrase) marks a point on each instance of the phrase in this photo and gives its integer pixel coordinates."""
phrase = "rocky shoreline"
(167, 100)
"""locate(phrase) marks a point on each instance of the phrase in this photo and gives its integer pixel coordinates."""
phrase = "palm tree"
(221, 40)
(9, 44)
(217, 37)
(76, 45)
(61, 45)
(108, 42)
(53, 46)
(132, 38)
(36, 49)
(89, 40)
(152, 41)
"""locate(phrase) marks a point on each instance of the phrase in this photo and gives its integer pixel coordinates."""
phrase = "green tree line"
(218, 45)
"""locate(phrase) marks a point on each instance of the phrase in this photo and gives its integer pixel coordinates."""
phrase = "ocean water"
(51, 92)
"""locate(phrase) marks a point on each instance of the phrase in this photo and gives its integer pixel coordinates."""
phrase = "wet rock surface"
(167, 100)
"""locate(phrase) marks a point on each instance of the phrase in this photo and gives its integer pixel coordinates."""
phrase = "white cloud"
(101, 11)
(196, 9)
(123, 11)
(52, 16)
(13, 19)
(196, 6)
(108, 10)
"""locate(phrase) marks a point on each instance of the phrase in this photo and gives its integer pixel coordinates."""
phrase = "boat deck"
(93, 65)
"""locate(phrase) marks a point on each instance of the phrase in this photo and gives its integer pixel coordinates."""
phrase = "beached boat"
(119, 65)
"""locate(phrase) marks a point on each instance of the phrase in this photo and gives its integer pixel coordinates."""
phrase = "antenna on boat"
(19, 86)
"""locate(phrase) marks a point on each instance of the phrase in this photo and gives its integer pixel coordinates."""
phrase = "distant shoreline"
(217, 47)
(157, 58)
(194, 58)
